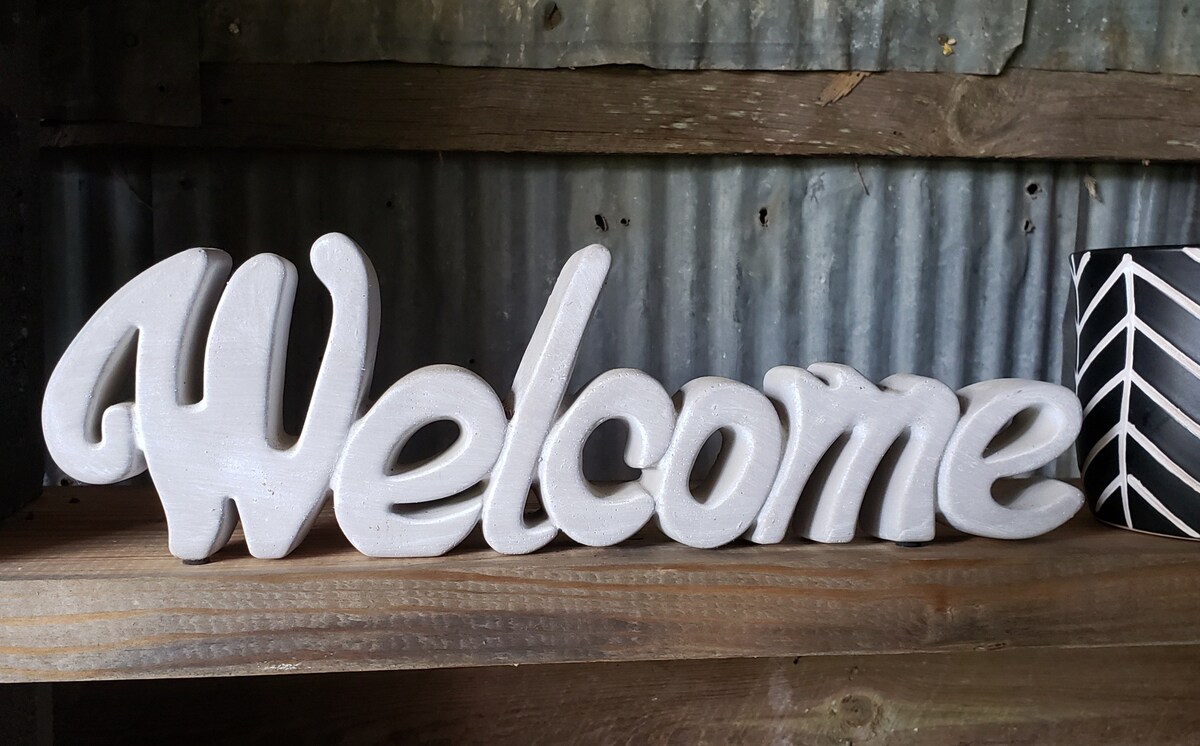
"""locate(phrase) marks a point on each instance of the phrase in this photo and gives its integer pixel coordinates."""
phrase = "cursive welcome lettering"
(823, 449)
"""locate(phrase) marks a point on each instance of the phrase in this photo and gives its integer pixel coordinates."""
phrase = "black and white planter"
(1138, 378)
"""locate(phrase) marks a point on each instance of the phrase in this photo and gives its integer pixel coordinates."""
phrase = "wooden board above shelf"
(629, 110)
(88, 591)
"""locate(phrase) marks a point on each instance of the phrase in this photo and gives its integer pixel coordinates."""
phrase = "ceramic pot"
(1137, 374)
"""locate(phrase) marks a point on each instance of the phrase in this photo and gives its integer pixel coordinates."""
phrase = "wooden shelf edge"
(1109, 696)
(1021, 114)
(88, 591)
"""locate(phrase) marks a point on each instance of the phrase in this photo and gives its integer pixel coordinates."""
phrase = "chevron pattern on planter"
(1137, 375)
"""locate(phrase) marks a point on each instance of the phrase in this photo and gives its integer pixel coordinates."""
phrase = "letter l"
(537, 393)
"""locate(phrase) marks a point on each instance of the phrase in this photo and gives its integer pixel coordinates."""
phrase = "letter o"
(745, 470)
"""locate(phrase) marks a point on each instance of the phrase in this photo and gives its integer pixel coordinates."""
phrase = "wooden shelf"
(1104, 696)
(88, 591)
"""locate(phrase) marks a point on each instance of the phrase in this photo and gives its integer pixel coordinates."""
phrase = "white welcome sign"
(823, 450)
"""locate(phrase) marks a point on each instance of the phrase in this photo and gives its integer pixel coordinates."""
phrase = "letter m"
(856, 452)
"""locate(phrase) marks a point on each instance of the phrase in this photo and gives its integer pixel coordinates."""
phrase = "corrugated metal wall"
(1095, 35)
(722, 266)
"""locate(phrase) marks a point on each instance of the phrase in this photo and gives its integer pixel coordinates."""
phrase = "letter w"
(215, 439)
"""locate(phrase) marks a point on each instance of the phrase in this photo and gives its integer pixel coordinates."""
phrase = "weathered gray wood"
(1099, 696)
(88, 591)
(1019, 114)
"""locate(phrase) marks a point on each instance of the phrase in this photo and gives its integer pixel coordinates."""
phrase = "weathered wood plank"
(1020, 114)
(88, 591)
(1110, 696)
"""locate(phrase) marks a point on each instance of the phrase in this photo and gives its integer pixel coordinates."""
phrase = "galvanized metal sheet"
(1159, 36)
(723, 266)
(668, 34)
(1162, 36)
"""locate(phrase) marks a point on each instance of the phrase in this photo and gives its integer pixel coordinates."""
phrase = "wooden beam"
(1116, 695)
(1020, 114)
(88, 591)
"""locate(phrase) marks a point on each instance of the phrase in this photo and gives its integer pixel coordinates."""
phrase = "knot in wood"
(857, 710)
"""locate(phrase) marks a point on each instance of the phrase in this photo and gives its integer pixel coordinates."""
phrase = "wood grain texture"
(88, 591)
(1019, 114)
(1110, 696)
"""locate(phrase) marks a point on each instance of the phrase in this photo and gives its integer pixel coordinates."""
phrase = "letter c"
(601, 515)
